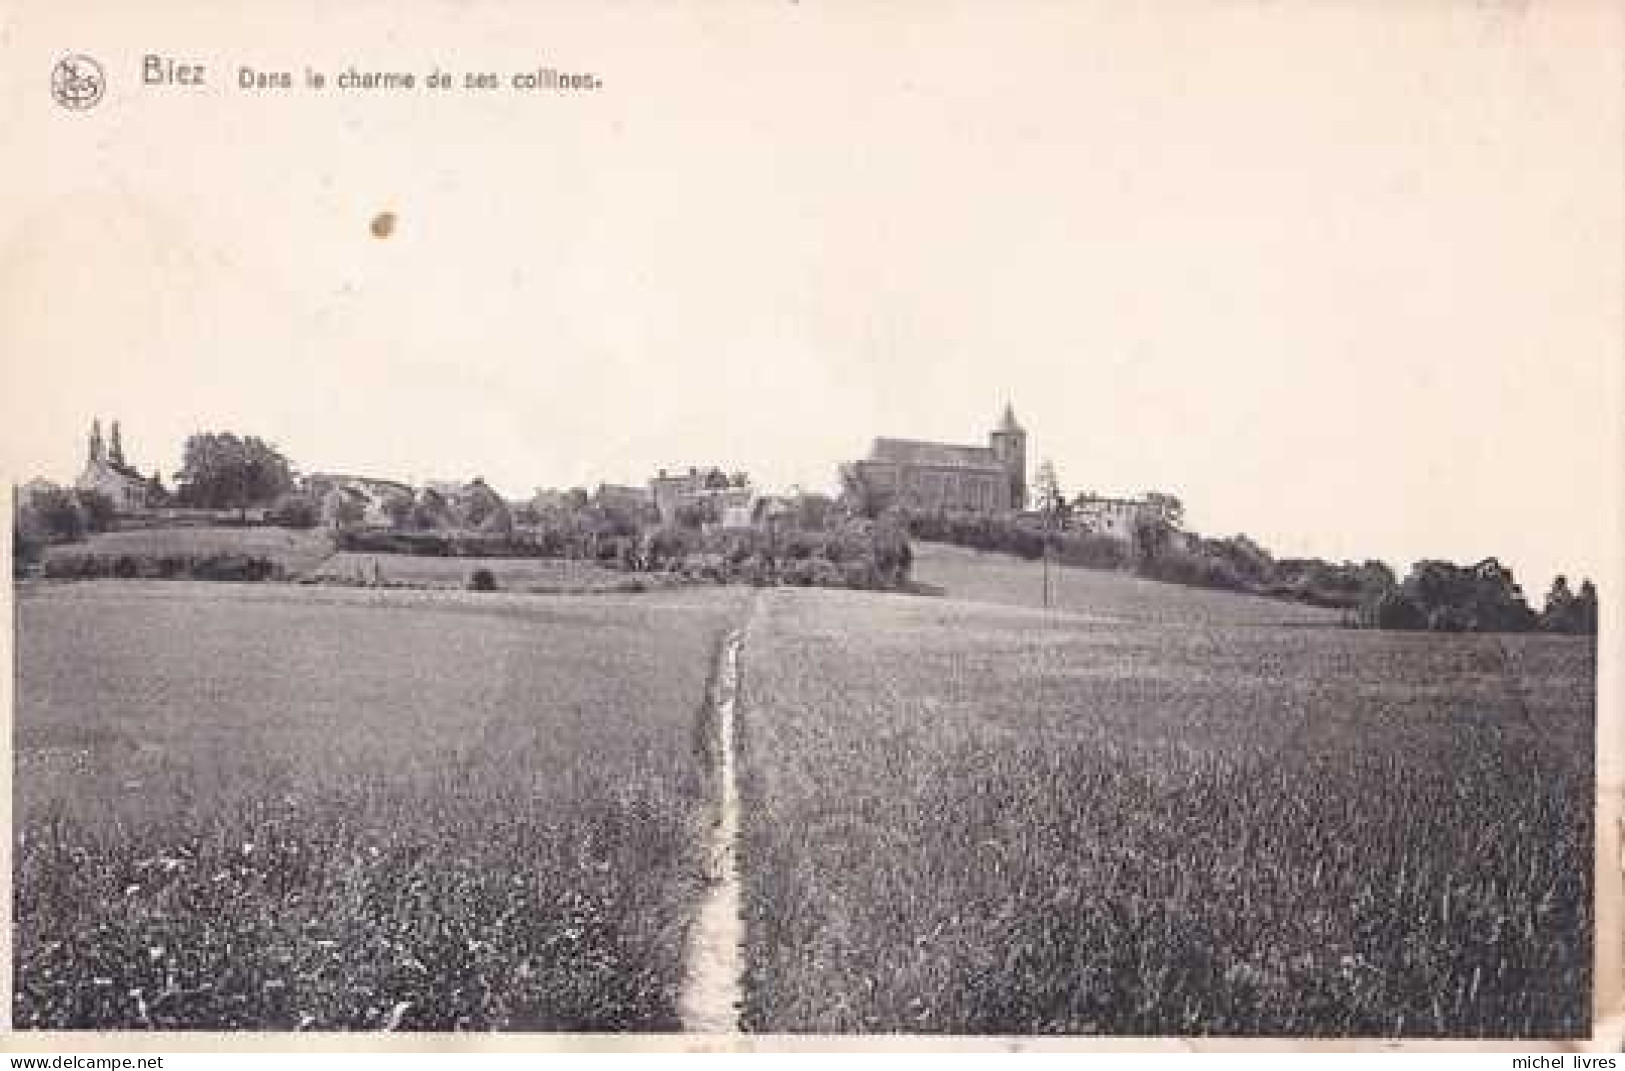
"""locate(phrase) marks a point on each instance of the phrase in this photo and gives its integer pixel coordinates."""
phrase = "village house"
(547, 499)
(1118, 518)
(622, 497)
(945, 476)
(29, 495)
(728, 498)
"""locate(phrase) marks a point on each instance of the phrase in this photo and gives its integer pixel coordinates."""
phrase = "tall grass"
(991, 577)
(510, 574)
(976, 819)
(293, 552)
(290, 808)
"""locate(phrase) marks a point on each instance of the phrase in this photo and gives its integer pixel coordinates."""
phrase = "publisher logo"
(77, 82)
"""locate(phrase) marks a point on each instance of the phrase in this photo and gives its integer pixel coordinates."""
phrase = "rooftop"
(948, 455)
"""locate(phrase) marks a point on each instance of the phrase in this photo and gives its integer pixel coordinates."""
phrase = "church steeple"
(115, 448)
(97, 450)
(1009, 443)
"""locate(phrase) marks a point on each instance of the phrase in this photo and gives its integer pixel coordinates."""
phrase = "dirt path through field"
(710, 998)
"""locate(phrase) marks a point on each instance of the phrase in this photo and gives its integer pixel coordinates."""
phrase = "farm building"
(621, 496)
(728, 497)
(1117, 517)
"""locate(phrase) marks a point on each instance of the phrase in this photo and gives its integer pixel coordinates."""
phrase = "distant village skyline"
(1345, 280)
(142, 466)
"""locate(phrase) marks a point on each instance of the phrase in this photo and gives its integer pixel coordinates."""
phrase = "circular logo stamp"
(77, 82)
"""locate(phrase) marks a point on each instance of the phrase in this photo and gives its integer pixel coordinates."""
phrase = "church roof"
(947, 455)
(120, 469)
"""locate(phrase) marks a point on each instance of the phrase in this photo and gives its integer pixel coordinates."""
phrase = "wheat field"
(975, 819)
(283, 808)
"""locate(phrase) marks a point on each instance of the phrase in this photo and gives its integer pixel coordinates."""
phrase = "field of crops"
(977, 818)
(279, 807)
(511, 574)
(286, 807)
(297, 552)
(985, 576)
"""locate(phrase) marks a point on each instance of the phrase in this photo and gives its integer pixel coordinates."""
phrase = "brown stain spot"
(383, 225)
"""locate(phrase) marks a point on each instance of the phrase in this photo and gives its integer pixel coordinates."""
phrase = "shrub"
(1566, 612)
(668, 545)
(1396, 610)
(59, 515)
(242, 567)
(860, 575)
(26, 548)
(813, 572)
(294, 510)
(1449, 619)
(224, 567)
(705, 567)
(482, 579)
(859, 553)
(1479, 598)
(1091, 551)
(96, 508)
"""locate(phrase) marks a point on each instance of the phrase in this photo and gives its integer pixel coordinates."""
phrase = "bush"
(223, 567)
(860, 576)
(26, 548)
(1396, 610)
(482, 579)
(427, 544)
(295, 510)
(97, 510)
(1479, 598)
(705, 567)
(232, 567)
(1449, 619)
(813, 572)
(1568, 613)
(857, 554)
(1091, 551)
(667, 546)
(58, 514)
(1008, 536)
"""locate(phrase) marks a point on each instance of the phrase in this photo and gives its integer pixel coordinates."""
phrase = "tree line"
(861, 541)
(1434, 595)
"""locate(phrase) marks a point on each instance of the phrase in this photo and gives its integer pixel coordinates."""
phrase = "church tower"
(1009, 443)
(97, 451)
(115, 447)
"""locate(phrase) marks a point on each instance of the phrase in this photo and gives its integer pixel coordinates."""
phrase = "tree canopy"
(1047, 495)
(1479, 598)
(1570, 613)
(222, 470)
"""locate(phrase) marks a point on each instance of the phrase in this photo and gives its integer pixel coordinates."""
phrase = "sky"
(1345, 277)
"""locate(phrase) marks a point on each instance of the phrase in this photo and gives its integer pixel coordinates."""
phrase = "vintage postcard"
(761, 525)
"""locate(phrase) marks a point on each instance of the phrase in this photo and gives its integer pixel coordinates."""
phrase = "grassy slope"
(522, 574)
(1000, 578)
(978, 818)
(266, 807)
(298, 551)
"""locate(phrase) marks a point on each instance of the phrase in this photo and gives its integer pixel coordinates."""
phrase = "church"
(107, 471)
(945, 476)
